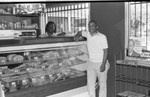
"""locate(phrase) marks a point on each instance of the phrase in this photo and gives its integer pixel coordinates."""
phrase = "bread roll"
(3, 60)
(18, 58)
(10, 57)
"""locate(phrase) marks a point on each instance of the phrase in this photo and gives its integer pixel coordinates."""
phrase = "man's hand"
(76, 38)
(102, 68)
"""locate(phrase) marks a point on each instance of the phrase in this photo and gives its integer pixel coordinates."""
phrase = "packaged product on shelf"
(21, 67)
(1, 72)
(53, 61)
(43, 80)
(66, 76)
(3, 60)
(50, 55)
(51, 78)
(35, 64)
(51, 67)
(34, 81)
(11, 84)
(38, 78)
(73, 60)
(36, 54)
(24, 81)
(8, 72)
(36, 58)
(45, 65)
(13, 87)
(16, 82)
(66, 62)
(58, 77)
(55, 77)
(53, 64)
(63, 52)
(64, 70)
(2, 69)
(47, 79)
(73, 51)
(27, 55)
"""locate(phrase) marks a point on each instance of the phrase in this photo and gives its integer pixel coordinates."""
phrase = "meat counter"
(40, 70)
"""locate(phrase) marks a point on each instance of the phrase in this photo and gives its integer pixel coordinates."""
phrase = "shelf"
(10, 63)
(57, 67)
(127, 79)
(130, 94)
(27, 15)
(21, 15)
(50, 88)
(126, 62)
(134, 63)
(26, 72)
(41, 60)
(133, 80)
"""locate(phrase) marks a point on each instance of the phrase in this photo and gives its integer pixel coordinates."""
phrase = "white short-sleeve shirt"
(95, 45)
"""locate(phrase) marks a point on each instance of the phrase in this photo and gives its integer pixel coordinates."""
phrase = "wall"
(110, 17)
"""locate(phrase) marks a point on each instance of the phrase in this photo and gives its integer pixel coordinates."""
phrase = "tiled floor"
(78, 92)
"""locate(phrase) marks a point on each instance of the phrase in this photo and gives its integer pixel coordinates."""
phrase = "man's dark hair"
(93, 21)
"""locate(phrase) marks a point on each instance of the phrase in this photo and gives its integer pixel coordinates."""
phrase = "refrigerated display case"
(40, 70)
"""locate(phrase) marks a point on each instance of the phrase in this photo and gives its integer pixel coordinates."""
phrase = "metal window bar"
(75, 11)
(141, 18)
(141, 14)
(146, 24)
(135, 20)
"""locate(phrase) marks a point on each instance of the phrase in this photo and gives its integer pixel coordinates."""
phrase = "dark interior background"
(111, 19)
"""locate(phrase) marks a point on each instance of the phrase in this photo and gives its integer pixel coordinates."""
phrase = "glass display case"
(30, 66)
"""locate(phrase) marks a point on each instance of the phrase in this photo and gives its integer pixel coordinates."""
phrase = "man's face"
(92, 28)
(131, 45)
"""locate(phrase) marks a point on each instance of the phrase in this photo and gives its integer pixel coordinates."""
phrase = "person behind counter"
(50, 30)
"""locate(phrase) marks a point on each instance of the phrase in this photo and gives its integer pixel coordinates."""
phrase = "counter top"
(30, 41)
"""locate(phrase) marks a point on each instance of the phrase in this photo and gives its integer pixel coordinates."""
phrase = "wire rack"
(132, 75)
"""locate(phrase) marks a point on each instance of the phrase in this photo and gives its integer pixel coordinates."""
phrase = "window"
(69, 18)
(139, 27)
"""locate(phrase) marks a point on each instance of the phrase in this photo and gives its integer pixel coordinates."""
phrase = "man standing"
(98, 65)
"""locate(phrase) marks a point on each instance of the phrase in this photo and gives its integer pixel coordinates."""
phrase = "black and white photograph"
(74, 48)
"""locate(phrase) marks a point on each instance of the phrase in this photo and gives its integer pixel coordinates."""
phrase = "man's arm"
(102, 68)
(78, 36)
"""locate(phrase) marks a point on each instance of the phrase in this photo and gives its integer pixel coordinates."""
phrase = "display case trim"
(38, 46)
